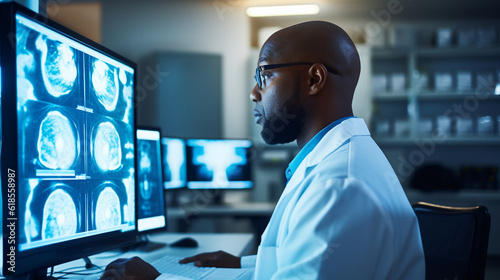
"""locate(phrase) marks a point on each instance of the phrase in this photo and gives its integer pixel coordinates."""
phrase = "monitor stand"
(143, 244)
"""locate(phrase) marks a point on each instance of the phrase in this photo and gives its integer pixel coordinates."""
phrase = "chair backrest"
(455, 240)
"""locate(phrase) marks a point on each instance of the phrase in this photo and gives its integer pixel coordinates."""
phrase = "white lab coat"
(342, 215)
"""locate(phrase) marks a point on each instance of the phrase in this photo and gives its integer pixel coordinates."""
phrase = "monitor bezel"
(39, 259)
(152, 230)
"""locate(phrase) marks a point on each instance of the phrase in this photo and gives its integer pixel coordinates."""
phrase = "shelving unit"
(407, 109)
(436, 114)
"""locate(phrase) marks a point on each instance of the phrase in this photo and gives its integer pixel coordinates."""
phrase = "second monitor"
(219, 164)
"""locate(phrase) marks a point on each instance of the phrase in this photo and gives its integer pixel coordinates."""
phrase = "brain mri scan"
(105, 83)
(107, 147)
(57, 141)
(58, 65)
(59, 215)
(107, 212)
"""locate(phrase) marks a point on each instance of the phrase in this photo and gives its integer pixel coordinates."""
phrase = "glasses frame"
(258, 77)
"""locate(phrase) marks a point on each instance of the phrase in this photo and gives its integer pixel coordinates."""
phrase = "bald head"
(317, 41)
(306, 81)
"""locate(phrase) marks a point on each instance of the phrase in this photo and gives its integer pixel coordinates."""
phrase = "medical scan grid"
(76, 145)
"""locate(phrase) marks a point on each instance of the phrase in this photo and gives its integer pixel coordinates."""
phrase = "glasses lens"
(257, 77)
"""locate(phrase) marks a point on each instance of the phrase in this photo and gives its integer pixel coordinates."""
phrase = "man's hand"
(129, 269)
(214, 259)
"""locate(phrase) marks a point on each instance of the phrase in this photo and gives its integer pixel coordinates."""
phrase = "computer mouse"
(186, 242)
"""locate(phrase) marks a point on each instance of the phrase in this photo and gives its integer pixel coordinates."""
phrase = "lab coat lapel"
(330, 142)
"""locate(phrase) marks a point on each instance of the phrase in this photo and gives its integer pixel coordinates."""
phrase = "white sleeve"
(248, 261)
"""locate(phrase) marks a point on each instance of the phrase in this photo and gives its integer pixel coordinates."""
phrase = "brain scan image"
(58, 65)
(60, 217)
(106, 85)
(107, 148)
(145, 186)
(107, 212)
(57, 141)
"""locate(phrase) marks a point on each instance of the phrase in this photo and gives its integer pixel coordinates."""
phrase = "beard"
(285, 123)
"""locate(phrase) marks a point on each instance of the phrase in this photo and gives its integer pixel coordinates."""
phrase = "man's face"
(278, 106)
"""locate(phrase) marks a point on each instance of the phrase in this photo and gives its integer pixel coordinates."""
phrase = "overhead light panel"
(285, 10)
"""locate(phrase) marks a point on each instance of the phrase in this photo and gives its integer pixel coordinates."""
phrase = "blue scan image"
(217, 157)
(107, 147)
(107, 211)
(174, 163)
(58, 65)
(106, 85)
(57, 142)
(146, 186)
(59, 215)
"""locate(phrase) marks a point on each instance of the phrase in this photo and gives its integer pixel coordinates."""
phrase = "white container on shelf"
(398, 82)
(443, 125)
(464, 127)
(424, 127)
(401, 128)
(443, 37)
(382, 128)
(421, 81)
(443, 81)
(464, 80)
(379, 82)
(485, 125)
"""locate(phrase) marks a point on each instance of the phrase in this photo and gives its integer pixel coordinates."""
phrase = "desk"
(238, 244)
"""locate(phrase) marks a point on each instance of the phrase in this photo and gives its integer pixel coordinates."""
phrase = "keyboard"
(170, 264)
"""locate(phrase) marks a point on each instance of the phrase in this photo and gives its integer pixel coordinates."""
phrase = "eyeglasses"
(258, 77)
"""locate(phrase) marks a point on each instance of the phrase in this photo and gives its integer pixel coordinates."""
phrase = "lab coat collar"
(331, 141)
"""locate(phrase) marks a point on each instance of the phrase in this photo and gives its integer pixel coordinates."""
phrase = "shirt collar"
(294, 164)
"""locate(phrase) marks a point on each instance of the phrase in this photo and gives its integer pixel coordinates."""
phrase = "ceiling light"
(286, 10)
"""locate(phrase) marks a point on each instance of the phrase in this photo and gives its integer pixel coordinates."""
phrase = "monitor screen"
(150, 205)
(219, 164)
(174, 162)
(71, 152)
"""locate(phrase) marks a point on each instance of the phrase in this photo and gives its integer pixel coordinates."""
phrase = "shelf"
(458, 95)
(459, 52)
(449, 140)
(434, 52)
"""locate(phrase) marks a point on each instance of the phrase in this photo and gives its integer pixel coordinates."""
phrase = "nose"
(255, 94)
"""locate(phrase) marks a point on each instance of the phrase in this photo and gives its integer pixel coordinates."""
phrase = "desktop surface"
(238, 244)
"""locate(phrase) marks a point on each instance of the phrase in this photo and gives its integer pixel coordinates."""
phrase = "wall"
(134, 29)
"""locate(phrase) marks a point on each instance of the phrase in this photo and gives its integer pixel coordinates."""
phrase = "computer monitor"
(68, 163)
(151, 215)
(174, 162)
(219, 164)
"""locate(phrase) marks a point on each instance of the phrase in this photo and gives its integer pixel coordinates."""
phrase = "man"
(343, 213)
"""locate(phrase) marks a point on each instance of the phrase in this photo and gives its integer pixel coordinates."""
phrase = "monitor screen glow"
(71, 145)
(174, 162)
(151, 208)
(219, 164)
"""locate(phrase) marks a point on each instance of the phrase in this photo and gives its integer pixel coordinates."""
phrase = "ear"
(317, 78)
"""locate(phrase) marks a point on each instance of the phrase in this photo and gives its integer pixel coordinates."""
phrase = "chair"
(455, 240)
